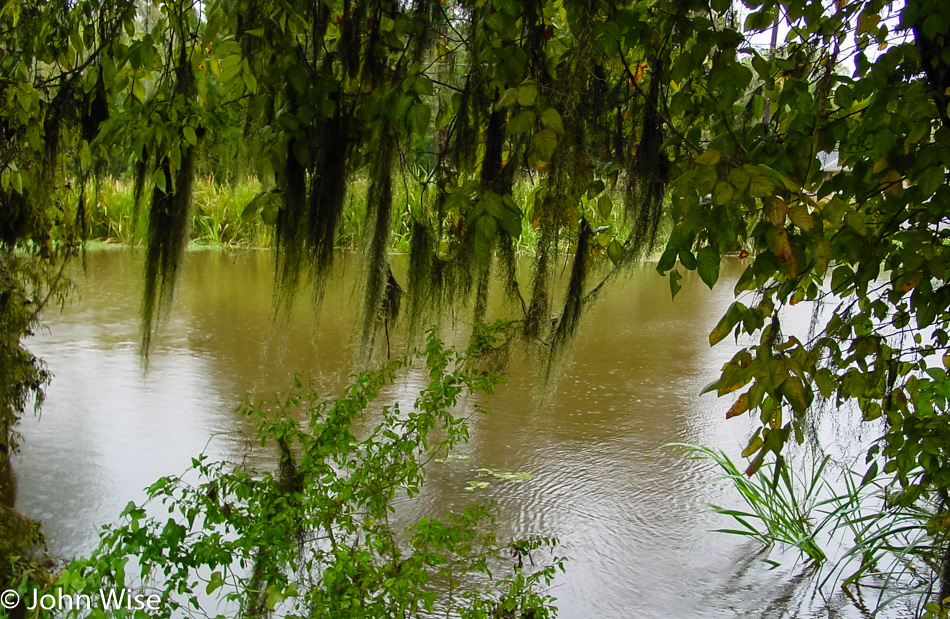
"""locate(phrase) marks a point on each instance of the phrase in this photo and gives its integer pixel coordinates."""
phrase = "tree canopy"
(582, 125)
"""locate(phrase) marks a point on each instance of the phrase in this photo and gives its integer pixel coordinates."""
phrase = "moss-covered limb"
(508, 263)
(537, 315)
(571, 169)
(26, 285)
(22, 549)
(481, 292)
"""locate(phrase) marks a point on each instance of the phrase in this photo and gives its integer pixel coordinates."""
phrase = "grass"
(780, 505)
(218, 219)
(879, 545)
(217, 215)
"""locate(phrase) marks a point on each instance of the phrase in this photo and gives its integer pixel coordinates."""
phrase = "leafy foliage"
(315, 537)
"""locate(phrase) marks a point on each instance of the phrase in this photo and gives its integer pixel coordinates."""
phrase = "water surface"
(628, 509)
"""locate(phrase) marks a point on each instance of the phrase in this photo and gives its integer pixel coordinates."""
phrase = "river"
(628, 509)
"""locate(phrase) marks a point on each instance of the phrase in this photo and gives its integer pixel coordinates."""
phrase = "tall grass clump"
(221, 216)
(218, 215)
(217, 219)
(852, 528)
(112, 213)
(780, 505)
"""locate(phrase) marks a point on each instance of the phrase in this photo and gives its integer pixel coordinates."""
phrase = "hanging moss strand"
(379, 218)
(170, 213)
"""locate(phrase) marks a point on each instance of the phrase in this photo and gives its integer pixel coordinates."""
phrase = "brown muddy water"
(628, 509)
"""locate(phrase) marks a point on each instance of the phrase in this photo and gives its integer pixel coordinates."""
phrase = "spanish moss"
(574, 297)
(291, 248)
(169, 221)
(327, 197)
(376, 259)
(649, 172)
(422, 254)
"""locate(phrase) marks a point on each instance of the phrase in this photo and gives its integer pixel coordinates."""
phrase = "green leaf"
(511, 223)
(85, 156)
(522, 122)
(667, 260)
(16, 180)
(707, 260)
(710, 157)
(509, 98)
(822, 254)
(230, 67)
(799, 215)
(33, 135)
(855, 221)
(793, 390)
(705, 179)
(761, 67)
(492, 203)
(676, 282)
(687, 258)
(754, 445)
(274, 597)
(419, 116)
(604, 206)
(214, 583)
(543, 144)
(760, 186)
(400, 107)
(250, 81)
(726, 324)
(423, 86)
(552, 120)
(931, 180)
(138, 89)
(722, 193)
(190, 135)
(778, 178)
(867, 21)
(834, 211)
(825, 382)
(739, 178)
(527, 95)
(158, 177)
(615, 253)
(497, 22)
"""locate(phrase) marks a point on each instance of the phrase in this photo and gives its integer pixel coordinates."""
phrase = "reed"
(781, 505)
(880, 545)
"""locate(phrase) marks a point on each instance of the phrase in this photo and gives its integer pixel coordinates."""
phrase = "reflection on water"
(627, 508)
